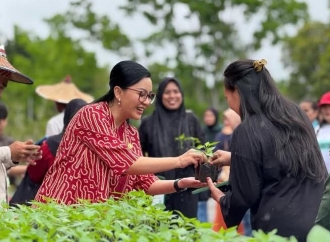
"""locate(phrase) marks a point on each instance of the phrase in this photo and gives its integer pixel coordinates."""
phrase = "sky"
(29, 15)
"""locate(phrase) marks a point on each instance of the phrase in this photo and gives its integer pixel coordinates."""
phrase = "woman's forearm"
(162, 187)
(147, 165)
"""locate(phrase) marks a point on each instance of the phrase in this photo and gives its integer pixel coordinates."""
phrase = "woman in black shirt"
(277, 170)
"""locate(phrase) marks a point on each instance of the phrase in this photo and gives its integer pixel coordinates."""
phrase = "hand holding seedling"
(191, 157)
(221, 158)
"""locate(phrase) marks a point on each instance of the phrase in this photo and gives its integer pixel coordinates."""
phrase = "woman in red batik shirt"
(100, 154)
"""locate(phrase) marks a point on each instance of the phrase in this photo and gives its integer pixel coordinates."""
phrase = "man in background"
(61, 93)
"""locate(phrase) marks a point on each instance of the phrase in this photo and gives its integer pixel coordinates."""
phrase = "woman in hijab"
(100, 154)
(211, 124)
(158, 134)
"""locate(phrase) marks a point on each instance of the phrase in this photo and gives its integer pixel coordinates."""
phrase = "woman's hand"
(221, 158)
(191, 157)
(216, 193)
(191, 182)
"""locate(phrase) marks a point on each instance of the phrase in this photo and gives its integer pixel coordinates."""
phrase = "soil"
(205, 170)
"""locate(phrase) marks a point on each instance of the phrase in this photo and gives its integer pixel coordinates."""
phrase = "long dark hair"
(124, 74)
(294, 138)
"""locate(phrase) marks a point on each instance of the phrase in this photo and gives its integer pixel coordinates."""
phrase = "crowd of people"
(273, 153)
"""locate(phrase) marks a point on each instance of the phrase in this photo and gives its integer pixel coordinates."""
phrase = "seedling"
(205, 169)
(207, 148)
(182, 139)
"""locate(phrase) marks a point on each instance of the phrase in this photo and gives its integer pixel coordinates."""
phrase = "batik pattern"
(92, 158)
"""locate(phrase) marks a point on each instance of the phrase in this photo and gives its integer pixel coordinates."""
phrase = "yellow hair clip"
(258, 65)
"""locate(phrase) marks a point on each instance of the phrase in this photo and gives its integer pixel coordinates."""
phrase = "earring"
(119, 102)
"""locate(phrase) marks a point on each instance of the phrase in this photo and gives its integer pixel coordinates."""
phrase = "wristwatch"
(176, 186)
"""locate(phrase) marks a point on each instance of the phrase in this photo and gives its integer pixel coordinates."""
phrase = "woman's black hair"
(3, 111)
(294, 137)
(124, 74)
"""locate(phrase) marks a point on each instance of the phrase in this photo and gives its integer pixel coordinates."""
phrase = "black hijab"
(216, 115)
(166, 124)
(70, 110)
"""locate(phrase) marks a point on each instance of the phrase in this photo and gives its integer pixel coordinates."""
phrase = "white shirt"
(5, 163)
(55, 125)
(323, 138)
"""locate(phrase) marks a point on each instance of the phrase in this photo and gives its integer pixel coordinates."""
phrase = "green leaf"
(318, 233)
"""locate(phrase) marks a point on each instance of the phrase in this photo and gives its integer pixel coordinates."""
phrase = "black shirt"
(257, 181)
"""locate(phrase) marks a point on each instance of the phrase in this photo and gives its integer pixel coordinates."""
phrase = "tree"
(46, 61)
(195, 54)
(308, 55)
(200, 51)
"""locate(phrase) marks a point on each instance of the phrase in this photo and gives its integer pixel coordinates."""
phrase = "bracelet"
(176, 186)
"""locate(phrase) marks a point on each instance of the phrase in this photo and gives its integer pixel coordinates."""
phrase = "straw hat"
(9, 72)
(62, 92)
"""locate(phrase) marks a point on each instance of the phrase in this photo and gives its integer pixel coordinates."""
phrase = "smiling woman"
(100, 154)
(158, 134)
(143, 95)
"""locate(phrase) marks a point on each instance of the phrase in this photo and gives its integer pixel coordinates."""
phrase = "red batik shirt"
(92, 158)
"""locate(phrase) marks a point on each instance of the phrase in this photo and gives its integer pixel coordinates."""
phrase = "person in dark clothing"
(323, 215)
(158, 133)
(211, 126)
(277, 170)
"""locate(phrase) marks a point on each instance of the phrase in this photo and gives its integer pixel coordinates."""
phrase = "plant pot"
(205, 170)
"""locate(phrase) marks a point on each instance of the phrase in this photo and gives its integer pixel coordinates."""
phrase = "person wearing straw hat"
(17, 151)
(61, 93)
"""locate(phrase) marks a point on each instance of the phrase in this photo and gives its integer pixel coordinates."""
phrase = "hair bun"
(258, 65)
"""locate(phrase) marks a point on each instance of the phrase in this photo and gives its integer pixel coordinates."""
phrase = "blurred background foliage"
(196, 56)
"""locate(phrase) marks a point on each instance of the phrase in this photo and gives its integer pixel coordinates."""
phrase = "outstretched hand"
(191, 182)
(216, 193)
(25, 151)
(191, 157)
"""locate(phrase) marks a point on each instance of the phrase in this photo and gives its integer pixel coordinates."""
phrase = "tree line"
(197, 57)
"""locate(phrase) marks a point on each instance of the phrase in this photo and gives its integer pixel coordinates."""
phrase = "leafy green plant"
(206, 169)
(132, 218)
(207, 148)
(203, 170)
(183, 138)
(318, 233)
